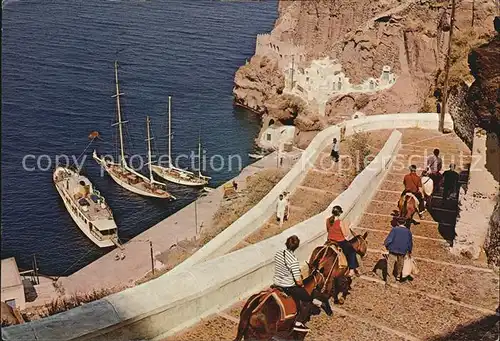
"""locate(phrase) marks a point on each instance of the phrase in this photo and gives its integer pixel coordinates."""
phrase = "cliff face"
(484, 94)
(409, 36)
(483, 98)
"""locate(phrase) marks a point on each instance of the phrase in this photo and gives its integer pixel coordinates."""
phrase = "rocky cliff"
(408, 35)
(483, 98)
(484, 94)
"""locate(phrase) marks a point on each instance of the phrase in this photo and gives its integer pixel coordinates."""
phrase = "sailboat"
(177, 175)
(121, 172)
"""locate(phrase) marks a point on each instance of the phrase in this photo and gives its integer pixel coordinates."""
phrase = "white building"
(324, 78)
(274, 136)
(12, 285)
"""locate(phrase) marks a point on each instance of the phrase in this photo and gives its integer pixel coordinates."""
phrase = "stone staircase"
(452, 298)
(323, 183)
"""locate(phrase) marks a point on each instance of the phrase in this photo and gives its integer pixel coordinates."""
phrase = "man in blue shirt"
(399, 242)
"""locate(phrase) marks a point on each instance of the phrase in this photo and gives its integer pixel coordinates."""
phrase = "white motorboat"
(86, 206)
(177, 175)
(121, 172)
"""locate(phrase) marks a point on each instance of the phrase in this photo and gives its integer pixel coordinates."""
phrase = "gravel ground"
(333, 183)
(212, 329)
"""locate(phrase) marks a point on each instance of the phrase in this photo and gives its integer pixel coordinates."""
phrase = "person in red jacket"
(337, 236)
(413, 184)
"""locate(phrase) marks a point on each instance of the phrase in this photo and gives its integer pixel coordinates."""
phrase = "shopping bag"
(414, 269)
(407, 267)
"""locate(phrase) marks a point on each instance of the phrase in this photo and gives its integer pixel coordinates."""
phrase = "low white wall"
(179, 299)
(260, 213)
(162, 306)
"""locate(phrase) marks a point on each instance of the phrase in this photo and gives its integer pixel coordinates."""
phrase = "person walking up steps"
(335, 150)
(287, 206)
(434, 165)
(450, 182)
(281, 210)
(399, 242)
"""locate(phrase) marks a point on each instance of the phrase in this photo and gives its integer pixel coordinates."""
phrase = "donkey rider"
(413, 185)
(337, 234)
(288, 277)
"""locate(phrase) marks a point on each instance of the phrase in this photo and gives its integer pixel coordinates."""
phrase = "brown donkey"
(325, 259)
(407, 206)
(270, 314)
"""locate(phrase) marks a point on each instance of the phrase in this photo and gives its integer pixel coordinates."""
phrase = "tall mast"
(199, 154)
(149, 148)
(169, 131)
(120, 129)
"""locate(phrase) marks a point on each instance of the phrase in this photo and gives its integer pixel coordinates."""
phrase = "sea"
(57, 87)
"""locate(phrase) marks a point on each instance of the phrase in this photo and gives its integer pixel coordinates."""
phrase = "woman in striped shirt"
(287, 276)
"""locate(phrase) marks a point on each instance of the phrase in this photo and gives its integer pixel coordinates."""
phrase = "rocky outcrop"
(363, 35)
(464, 119)
(484, 94)
(492, 243)
(483, 98)
(257, 82)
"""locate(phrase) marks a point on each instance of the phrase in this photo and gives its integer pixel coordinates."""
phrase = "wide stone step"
(438, 202)
(387, 195)
(352, 328)
(425, 229)
(414, 313)
(388, 208)
(432, 249)
(462, 285)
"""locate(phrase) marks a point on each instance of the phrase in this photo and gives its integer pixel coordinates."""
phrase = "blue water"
(57, 83)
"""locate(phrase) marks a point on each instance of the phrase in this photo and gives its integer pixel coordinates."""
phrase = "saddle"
(428, 185)
(411, 195)
(341, 258)
(288, 306)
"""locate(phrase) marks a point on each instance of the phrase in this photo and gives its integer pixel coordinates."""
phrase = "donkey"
(270, 314)
(326, 259)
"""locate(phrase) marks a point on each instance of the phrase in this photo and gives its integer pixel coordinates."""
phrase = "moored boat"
(177, 175)
(121, 172)
(86, 206)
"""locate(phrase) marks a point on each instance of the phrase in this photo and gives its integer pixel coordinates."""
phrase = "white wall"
(14, 293)
(279, 136)
(181, 298)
